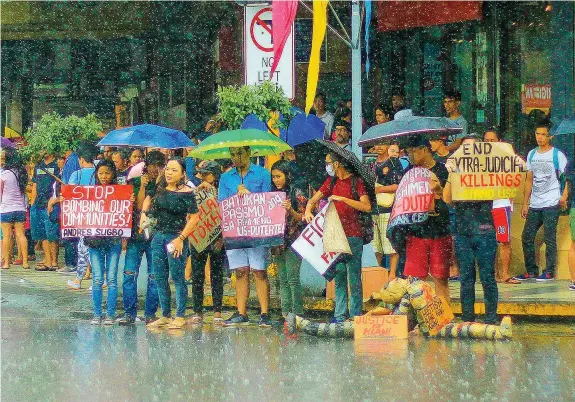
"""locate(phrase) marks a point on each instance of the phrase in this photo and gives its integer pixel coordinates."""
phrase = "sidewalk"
(551, 299)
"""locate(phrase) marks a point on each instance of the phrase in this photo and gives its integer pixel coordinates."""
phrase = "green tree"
(235, 104)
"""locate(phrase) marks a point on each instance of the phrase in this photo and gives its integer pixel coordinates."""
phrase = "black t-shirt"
(441, 159)
(44, 182)
(437, 224)
(388, 173)
(473, 217)
(170, 208)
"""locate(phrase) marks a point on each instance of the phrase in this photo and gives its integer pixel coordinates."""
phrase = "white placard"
(259, 51)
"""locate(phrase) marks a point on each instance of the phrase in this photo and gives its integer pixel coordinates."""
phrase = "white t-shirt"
(461, 122)
(502, 203)
(546, 187)
(327, 118)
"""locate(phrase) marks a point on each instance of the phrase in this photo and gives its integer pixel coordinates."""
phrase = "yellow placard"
(435, 315)
(485, 171)
(380, 327)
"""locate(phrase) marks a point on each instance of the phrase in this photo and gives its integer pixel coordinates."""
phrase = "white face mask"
(330, 170)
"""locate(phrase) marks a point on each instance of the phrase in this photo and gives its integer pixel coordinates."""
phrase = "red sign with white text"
(98, 211)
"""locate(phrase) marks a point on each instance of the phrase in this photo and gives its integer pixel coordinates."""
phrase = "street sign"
(259, 51)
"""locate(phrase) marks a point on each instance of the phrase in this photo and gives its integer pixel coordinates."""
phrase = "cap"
(210, 167)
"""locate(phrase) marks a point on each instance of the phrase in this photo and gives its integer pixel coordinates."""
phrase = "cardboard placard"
(101, 211)
(435, 315)
(486, 171)
(413, 198)
(380, 327)
(334, 238)
(309, 245)
(209, 225)
(253, 220)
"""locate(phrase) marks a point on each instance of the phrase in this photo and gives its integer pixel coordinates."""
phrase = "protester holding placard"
(542, 202)
(349, 196)
(247, 178)
(211, 172)
(175, 209)
(287, 261)
(475, 244)
(139, 244)
(429, 244)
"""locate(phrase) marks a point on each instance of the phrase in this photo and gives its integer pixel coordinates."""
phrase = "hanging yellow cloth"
(319, 27)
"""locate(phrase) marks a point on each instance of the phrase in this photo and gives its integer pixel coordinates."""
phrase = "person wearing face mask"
(388, 175)
(348, 201)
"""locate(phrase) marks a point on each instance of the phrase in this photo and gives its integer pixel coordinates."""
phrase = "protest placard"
(413, 198)
(435, 315)
(380, 327)
(102, 211)
(209, 223)
(485, 171)
(334, 238)
(309, 245)
(253, 220)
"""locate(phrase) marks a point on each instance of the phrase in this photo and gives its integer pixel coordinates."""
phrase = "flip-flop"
(512, 281)
(53, 268)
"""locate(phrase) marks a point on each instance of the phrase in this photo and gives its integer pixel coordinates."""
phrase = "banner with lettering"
(253, 220)
(102, 211)
(485, 171)
(413, 198)
(209, 225)
(309, 245)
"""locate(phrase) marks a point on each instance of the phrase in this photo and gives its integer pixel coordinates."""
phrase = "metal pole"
(355, 78)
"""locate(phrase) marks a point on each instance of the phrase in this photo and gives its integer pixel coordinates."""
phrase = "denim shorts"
(13, 217)
(255, 258)
(41, 227)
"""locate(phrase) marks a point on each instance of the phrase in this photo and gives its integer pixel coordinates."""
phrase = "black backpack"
(365, 219)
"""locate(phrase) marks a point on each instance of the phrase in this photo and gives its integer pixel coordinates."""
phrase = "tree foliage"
(235, 104)
(54, 134)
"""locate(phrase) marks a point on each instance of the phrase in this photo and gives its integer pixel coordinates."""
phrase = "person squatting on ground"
(288, 262)
(139, 244)
(210, 172)
(176, 212)
(246, 178)
(348, 201)
(475, 244)
(13, 181)
(542, 202)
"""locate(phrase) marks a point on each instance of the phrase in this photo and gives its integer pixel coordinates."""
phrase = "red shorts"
(431, 256)
(502, 222)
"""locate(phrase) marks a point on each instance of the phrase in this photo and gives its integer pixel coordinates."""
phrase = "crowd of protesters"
(457, 239)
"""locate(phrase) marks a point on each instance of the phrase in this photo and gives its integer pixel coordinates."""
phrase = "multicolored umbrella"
(217, 146)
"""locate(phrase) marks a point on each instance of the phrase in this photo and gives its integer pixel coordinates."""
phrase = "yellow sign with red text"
(435, 315)
(380, 327)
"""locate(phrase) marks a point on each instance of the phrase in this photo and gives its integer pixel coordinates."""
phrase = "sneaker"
(572, 286)
(265, 321)
(336, 320)
(236, 319)
(177, 323)
(126, 320)
(96, 320)
(525, 277)
(74, 285)
(109, 321)
(544, 277)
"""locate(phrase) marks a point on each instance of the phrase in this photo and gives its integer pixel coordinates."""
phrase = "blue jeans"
(164, 265)
(480, 249)
(70, 252)
(134, 253)
(105, 260)
(349, 268)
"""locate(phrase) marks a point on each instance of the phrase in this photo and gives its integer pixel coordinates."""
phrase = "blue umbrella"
(147, 135)
(405, 124)
(567, 126)
(252, 121)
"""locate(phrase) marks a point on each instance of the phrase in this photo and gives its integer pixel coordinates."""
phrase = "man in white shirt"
(451, 103)
(542, 202)
(325, 116)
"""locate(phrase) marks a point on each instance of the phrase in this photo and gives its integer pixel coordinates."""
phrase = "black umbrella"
(311, 156)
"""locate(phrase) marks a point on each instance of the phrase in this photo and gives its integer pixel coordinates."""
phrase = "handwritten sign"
(309, 245)
(485, 171)
(253, 220)
(380, 327)
(434, 316)
(209, 224)
(413, 198)
(102, 211)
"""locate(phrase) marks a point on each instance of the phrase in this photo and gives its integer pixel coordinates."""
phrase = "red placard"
(100, 211)
(397, 15)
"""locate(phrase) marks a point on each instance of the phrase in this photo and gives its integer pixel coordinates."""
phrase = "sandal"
(218, 321)
(53, 268)
(512, 281)
(197, 319)
(41, 266)
(18, 262)
(25, 266)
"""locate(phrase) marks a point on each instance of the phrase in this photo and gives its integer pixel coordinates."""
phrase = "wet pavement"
(50, 352)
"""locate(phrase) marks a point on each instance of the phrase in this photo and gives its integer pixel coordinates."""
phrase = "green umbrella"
(261, 143)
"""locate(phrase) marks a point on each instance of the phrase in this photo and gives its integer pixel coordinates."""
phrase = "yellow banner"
(319, 27)
(485, 171)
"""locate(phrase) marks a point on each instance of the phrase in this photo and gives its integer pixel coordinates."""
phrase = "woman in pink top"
(13, 179)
